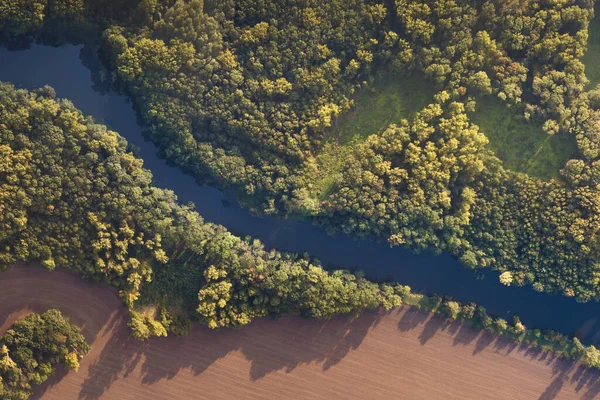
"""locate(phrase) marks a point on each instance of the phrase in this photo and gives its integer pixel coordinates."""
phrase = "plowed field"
(404, 354)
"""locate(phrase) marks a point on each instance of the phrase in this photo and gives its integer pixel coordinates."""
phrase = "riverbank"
(66, 69)
(62, 68)
(405, 353)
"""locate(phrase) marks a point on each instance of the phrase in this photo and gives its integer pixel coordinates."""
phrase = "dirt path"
(403, 354)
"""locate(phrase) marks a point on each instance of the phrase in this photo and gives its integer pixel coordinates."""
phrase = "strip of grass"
(388, 100)
(522, 146)
(591, 59)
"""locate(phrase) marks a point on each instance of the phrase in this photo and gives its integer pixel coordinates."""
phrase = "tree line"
(478, 317)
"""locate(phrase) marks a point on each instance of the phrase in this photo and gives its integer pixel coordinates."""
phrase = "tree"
(501, 325)
(591, 356)
(506, 278)
(21, 16)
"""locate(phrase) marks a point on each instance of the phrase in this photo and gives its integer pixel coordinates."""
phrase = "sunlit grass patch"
(522, 146)
(388, 100)
(591, 58)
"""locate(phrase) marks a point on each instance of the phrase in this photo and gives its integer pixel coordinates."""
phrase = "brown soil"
(402, 354)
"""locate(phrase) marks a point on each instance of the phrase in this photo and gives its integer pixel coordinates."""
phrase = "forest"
(32, 347)
(249, 94)
(73, 195)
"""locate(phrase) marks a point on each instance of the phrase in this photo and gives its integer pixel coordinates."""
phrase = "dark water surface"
(61, 67)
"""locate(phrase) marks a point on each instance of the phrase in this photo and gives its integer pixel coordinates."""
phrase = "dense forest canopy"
(72, 195)
(32, 347)
(246, 94)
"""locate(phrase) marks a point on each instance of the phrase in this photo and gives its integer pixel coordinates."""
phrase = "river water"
(62, 68)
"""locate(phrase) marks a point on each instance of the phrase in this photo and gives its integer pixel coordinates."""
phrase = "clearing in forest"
(522, 146)
(386, 101)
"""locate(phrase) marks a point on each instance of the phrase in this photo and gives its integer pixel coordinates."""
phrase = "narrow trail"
(402, 354)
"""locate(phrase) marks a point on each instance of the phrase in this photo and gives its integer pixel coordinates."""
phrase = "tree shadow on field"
(121, 354)
(554, 388)
(462, 333)
(564, 370)
(586, 380)
(321, 342)
(465, 335)
(506, 345)
(115, 323)
(269, 346)
(413, 318)
(299, 342)
(40, 391)
(561, 368)
(27, 289)
(484, 340)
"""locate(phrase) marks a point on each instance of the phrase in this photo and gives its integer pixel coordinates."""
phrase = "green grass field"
(591, 58)
(522, 146)
(388, 100)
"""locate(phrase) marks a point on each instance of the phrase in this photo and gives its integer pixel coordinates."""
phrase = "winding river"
(62, 68)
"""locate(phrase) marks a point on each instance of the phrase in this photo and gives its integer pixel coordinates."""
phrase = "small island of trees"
(33, 347)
